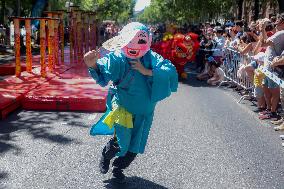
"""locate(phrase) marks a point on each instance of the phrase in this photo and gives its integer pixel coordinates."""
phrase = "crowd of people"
(262, 42)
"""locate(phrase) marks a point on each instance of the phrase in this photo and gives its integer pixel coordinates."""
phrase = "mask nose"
(142, 41)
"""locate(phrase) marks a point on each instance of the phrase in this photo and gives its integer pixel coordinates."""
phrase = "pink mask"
(138, 46)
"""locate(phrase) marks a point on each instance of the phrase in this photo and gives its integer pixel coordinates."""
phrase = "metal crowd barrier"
(272, 76)
(233, 61)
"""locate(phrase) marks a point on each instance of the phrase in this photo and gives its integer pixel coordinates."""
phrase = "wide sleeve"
(108, 69)
(165, 78)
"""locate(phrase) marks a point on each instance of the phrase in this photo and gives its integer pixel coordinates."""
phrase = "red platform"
(72, 90)
(67, 95)
(69, 88)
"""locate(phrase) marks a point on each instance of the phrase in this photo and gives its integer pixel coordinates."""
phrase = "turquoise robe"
(137, 93)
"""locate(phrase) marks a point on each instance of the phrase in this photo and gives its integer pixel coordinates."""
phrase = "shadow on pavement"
(36, 125)
(193, 82)
(133, 183)
(3, 175)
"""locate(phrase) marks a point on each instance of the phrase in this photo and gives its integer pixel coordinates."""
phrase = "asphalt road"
(200, 138)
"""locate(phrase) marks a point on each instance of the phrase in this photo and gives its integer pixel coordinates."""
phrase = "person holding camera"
(275, 46)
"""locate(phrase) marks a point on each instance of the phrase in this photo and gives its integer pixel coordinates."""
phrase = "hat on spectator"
(219, 29)
(210, 59)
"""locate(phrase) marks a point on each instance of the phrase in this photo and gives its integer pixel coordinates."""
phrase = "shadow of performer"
(133, 183)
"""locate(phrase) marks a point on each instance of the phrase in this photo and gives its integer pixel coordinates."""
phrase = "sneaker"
(282, 137)
(279, 128)
(278, 122)
(258, 110)
(118, 176)
(104, 165)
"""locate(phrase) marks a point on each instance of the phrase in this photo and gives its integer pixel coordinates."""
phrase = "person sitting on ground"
(207, 72)
(218, 73)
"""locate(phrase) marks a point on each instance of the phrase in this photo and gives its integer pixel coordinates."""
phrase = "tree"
(185, 11)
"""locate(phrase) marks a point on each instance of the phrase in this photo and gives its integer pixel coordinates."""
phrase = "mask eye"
(142, 41)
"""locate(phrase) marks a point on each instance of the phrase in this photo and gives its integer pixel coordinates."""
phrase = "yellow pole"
(50, 45)
(17, 46)
(86, 28)
(61, 28)
(71, 36)
(56, 42)
(79, 39)
(75, 35)
(42, 48)
(94, 33)
(28, 46)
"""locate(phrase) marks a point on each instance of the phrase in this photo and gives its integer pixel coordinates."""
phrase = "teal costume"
(136, 93)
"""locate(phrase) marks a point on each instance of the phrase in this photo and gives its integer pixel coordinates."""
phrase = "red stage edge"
(98, 105)
(9, 109)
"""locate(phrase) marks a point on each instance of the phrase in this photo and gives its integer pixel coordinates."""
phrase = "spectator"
(207, 72)
(218, 73)
(219, 41)
(279, 61)
(271, 89)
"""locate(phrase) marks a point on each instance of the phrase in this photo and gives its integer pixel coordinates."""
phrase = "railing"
(233, 61)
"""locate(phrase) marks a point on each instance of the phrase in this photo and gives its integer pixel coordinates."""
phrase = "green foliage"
(184, 11)
(117, 10)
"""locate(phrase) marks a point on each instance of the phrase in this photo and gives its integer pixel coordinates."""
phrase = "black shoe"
(118, 176)
(104, 165)
(258, 110)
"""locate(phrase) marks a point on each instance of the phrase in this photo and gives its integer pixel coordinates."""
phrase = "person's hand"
(262, 25)
(275, 62)
(90, 58)
(137, 65)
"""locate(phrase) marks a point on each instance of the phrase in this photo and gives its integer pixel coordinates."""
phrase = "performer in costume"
(184, 48)
(140, 79)
(180, 49)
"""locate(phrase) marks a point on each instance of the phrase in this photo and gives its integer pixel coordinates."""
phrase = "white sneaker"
(282, 137)
(279, 128)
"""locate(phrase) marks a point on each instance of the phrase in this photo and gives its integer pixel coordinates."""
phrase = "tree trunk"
(256, 10)
(281, 6)
(240, 8)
